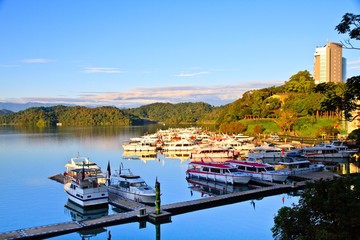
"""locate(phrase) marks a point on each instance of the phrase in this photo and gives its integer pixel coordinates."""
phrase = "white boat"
(243, 138)
(261, 171)
(214, 153)
(84, 189)
(323, 152)
(80, 162)
(218, 172)
(125, 184)
(297, 167)
(182, 145)
(266, 152)
(140, 146)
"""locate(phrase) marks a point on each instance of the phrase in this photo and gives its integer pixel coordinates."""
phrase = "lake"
(29, 199)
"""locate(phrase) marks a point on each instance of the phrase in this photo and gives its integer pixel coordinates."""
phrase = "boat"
(302, 166)
(80, 162)
(260, 171)
(125, 184)
(214, 153)
(143, 145)
(218, 172)
(323, 152)
(181, 145)
(266, 152)
(84, 189)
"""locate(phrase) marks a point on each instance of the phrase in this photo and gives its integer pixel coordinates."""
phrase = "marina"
(179, 194)
(140, 212)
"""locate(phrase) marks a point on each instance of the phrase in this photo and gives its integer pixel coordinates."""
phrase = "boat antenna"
(83, 172)
(108, 173)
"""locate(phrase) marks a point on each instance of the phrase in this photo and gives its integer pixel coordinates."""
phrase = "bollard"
(157, 197)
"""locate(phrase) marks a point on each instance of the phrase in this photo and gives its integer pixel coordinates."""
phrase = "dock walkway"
(141, 212)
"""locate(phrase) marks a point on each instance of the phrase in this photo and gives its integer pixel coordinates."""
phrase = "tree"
(286, 119)
(334, 97)
(300, 82)
(352, 98)
(258, 129)
(326, 210)
(350, 24)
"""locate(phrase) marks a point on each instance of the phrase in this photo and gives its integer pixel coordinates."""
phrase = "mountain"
(5, 111)
(15, 107)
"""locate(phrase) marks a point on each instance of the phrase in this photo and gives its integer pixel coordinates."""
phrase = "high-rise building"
(329, 65)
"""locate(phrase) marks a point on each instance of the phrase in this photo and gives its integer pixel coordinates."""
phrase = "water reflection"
(140, 155)
(348, 168)
(211, 188)
(78, 213)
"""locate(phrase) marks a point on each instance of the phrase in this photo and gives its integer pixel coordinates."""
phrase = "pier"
(140, 212)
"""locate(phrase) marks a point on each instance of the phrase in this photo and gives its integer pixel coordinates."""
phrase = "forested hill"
(70, 116)
(5, 111)
(174, 113)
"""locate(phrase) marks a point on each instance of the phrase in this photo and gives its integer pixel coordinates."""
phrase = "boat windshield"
(233, 170)
(269, 168)
(138, 184)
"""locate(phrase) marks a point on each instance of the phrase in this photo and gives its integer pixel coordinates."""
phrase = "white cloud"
(214, 95)
(353, 62)
(191, 74)
(35, 60)
(102, 70)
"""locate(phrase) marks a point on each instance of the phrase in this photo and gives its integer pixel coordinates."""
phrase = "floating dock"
(141, 212)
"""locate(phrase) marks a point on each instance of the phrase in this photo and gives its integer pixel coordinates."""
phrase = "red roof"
(246, 163)
(211, 164)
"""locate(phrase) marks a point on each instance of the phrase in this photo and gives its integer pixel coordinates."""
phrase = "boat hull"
(233, 179)
(137, 197)
(87, 197)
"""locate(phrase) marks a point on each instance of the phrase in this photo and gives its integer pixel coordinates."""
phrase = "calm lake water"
(29, 198)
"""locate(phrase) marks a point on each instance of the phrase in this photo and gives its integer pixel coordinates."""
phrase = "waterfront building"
(329, 65)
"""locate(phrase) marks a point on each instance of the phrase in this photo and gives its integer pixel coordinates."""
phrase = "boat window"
(261, 170)
(215, 170)
(270, 168)
(205, 169)
(138, 184)
(232, 170)
(241, 167)
(124, 184)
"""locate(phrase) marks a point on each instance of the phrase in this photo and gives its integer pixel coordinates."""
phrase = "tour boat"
(182, 145)
(218, 172)
(125, 184)
(266, 152)
(83, 162)
(296, 167)
(261, 171)
(213, 153)
(84, 189)
(143, 145)
(326, 152)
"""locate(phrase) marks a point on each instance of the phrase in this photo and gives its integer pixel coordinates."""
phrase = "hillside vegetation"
(70, 116)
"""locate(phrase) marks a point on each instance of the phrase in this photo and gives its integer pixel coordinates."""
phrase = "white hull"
(221, 177)
(270, 177)
(87, 197)
(137, 197)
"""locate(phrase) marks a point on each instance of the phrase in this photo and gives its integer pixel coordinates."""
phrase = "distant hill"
(5, 111)
(15, 107)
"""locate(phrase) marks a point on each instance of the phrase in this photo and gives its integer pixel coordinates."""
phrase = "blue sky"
(131, 53)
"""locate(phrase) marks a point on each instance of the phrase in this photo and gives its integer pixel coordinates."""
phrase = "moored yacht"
(84, 189)
(125, 184)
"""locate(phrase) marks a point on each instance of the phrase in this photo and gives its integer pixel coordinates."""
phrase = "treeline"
(70, 116)
(174, 113)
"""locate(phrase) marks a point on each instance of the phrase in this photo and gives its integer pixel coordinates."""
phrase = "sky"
(128, 53)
